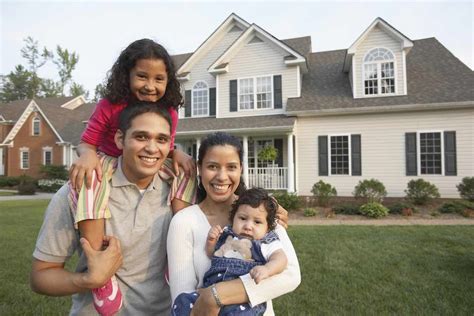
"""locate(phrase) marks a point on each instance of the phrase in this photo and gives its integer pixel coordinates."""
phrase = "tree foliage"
(24, 81)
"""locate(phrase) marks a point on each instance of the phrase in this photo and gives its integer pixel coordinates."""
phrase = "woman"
(220, 168)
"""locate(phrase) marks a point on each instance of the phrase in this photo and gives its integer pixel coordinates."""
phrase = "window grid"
(387, 76)
(200, 99)
(246, 94)
(36, 126)
(48, 157)
(260, 145)
(25, 159)
(379, 72)
(339, 155)
(264, 92)
(251, 154)
(430, 153)
(370, 79)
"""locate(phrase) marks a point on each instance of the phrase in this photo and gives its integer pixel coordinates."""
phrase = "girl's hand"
(183, 160)
(84, 166)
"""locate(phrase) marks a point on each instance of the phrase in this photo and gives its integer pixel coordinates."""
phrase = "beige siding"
(383, 148)
(199, 70)
(252, 60)
(378, 38)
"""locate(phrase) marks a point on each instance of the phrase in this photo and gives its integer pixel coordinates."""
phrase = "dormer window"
(200, 99)
(379, 72)
(36, 126)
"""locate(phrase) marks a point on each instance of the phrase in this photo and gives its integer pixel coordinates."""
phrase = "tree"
(25, 83)
(99, 92)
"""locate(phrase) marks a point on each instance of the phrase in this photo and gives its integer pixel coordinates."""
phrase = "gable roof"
(406, 43)
(68, 124)
(253, 30)
(434, 76)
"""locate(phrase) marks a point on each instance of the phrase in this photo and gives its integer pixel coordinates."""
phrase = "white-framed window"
(47, 156)
(256, 93)
(379, 72)
(200, 99)
(36, 126)
(254, 147)
(24, 158)
(431, 152)
(339, 155)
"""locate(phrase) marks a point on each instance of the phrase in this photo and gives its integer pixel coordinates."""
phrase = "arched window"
(379, 72)
(36, 126)
(200, 99)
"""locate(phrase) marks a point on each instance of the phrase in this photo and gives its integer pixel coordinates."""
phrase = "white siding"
(378, 38)
(257, 59)
(199, 70)
(383, 148)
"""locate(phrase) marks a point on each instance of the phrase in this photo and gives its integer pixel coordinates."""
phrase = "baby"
(249, 246)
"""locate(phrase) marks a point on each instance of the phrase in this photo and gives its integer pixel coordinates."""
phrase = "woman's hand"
(282, 216)
(186, 162)
(84, 166)
(206, 304)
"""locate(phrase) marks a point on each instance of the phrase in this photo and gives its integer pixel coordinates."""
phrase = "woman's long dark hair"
(117, 89)
(219, 139)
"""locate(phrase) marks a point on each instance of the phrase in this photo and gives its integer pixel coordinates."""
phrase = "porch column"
(291, 164)
(246, 160)
(2, 163)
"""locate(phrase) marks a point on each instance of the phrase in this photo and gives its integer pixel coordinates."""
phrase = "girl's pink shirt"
(103, 125)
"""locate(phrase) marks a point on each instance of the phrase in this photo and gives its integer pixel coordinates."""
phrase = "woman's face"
(220, 172)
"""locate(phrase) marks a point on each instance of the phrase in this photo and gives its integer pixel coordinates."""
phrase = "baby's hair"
(255, 197)
(136, 108)
(117, 89)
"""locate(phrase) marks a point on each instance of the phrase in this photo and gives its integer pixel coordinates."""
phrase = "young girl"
(144, 71)
(249, 245)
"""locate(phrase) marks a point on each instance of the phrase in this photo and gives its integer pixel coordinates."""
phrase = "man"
(140, 220)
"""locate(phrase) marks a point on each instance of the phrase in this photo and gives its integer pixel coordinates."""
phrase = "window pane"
(200, 99)
(246, 94)
(430, 153)
(339, 155)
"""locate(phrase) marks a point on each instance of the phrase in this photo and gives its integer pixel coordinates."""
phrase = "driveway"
(37, 196)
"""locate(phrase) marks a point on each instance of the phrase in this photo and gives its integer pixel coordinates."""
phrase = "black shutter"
(278, 144)
(356, 155)
(233, 95)
(212, 102)
(323, 155)
(450, 168)
(187, 103)
(410, 154)
(277, 97)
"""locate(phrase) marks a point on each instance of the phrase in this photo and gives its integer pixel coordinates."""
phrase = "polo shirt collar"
(119, 179)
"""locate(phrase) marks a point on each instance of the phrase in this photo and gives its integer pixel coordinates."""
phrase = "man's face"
(145, 146)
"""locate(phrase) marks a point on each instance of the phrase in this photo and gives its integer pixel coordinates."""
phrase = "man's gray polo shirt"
(140, 223)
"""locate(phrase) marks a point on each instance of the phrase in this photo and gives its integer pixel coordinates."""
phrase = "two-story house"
(387, 107)
(43, 131)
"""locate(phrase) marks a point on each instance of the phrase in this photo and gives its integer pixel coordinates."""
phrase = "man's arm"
(52, 279)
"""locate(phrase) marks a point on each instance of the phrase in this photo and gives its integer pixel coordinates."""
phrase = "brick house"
(43, 131)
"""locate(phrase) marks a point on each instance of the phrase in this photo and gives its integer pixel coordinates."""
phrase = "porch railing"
(270, 178)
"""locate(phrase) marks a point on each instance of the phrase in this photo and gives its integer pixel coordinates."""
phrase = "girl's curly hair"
(117, 89)
(256, 197)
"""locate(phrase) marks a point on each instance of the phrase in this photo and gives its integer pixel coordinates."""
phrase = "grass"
(345, 270)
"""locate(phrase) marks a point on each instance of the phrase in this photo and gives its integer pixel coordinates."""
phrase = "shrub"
(371, 190)
(421, 192)
(9, 181)
(374, 209)
(323, 192)
(347, 209)
(398, 207)
(309, 212)
(288, 201)
(50, 185)
(54, 172)
(466, 188)
(458, 207)
(407, 211)
(27, 185)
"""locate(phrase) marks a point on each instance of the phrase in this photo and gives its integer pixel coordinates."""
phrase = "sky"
(98, 30)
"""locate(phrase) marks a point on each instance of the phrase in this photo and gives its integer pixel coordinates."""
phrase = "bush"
(421, 192)
(54, 172)
(27, 186)
(374, 209)
(347, 209)
(466, 188)
(456, 207)
(288, 201)
(398, 207)
(50, 185)
(371, 190)
(309, 212)
(9, 181)
(323, 192)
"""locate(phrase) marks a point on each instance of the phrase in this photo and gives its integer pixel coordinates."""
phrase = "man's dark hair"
(137, 108)
(256, 197)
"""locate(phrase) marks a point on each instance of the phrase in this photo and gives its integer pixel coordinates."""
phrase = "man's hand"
(259, 273)
(102, 265)
(206, 304)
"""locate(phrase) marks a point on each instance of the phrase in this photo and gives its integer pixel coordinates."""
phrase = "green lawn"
(345, 270)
